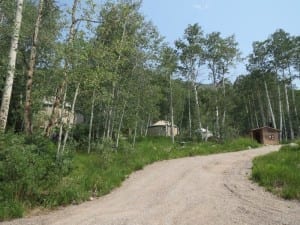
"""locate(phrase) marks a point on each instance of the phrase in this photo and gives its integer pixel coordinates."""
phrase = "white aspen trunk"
(91, 122)
(110, 123)
(61, 87)
(105, 125)
(69, 126)
(171, 109)
(270, 106)
(288, 112)
(284, 127)
(217, 126)
(280, 113)
(197, 105)
(148, 124)
(217, 122)
(224, 112)
(61, 115)
(120, 125)
(30, 72)
(190, 116)
(6, 97)
(112, 128)
(110, 115)
(136, 124)
(296, 112)
(134, 135)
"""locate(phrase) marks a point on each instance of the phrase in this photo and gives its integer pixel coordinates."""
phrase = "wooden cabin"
(266, 135)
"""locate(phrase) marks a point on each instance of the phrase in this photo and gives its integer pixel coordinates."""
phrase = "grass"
(279, 172)
(98, 173)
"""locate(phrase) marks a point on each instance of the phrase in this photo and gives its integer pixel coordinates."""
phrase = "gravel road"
(208, 190)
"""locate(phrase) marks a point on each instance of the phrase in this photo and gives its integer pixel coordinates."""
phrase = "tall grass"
(279, 172)
(96, 174)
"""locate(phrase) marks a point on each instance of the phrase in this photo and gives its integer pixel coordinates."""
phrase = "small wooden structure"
(43, 115)
(266, 135)
(162, 128)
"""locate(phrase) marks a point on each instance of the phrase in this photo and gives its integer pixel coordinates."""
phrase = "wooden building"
(162, 128)
(43, 115)
(266, 135)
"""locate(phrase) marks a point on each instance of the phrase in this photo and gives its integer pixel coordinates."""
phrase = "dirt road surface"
(208, 190)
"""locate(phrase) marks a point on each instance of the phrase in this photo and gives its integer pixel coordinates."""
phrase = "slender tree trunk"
(217, 122)
(288, 112)
(30, 72)
(91, 122)
(280, 113)
(171, 109)
(197, 105)
(69, 126)
(270, 106)
(105, 125)
(136, 123)
(134, 135)
(110, 115)
(190, 116)
(61, 115)
(112, 123)
(120, 125)
(296, 113)
(284, 127)
(11, 68)
(217, 125)
(148, 124)
(62, 85)
(224, 105)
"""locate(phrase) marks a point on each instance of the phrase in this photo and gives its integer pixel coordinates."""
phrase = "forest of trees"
(110, 65)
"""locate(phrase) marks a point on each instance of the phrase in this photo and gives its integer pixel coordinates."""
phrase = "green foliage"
(279, 172)
(98, 173)
(28, 171)
(10, 209)
(31, 176)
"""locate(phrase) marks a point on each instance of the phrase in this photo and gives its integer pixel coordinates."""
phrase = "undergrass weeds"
(279, 172)
(96, 174)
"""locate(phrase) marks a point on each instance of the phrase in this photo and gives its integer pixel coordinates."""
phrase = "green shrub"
(30, 175)
(29, 170)
(10, 210)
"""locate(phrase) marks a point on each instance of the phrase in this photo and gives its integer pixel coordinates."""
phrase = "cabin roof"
(266, 127)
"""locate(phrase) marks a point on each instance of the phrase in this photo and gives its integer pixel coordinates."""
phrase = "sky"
(248, 20)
